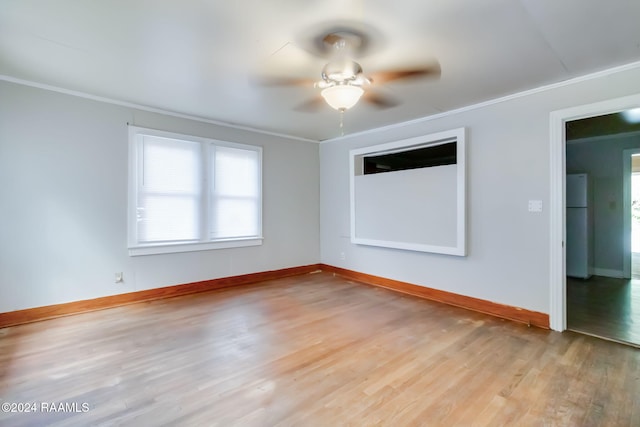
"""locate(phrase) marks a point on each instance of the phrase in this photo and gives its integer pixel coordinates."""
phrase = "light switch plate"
(535, 205)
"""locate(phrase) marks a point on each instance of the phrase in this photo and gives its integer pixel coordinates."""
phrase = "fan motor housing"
(341, 71)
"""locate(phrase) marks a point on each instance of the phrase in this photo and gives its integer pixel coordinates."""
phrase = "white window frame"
(135, 248)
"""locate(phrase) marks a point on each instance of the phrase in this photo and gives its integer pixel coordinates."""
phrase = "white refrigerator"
(579, 227)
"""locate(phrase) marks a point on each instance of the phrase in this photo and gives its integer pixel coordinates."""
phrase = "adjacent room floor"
(313, 350)
(605, 307)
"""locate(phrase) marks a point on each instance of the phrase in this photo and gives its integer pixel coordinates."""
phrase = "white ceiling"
(196, 57)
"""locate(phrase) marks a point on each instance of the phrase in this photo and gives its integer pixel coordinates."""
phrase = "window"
(188, 193)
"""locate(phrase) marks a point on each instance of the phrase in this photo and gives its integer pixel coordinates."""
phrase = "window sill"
(192, 247)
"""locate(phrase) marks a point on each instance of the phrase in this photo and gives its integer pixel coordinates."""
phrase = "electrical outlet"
(343, 256)
(119, 277)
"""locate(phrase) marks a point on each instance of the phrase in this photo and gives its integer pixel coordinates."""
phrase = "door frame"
(557, 202)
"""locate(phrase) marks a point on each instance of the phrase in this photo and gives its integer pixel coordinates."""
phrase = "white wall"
(63, 201)
(508, 163)
(601, 158)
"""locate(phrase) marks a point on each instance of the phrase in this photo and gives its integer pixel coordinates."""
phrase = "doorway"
(558, 120)
(634, 214)
(602, 296)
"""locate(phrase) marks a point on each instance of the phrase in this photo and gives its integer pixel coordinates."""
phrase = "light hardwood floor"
(313, 350)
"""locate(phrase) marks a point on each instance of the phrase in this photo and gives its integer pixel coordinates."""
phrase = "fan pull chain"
(342, 122)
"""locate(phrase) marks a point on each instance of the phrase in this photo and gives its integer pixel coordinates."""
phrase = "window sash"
(234, 183)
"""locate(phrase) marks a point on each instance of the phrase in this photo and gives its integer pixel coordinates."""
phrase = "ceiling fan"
(343, 81)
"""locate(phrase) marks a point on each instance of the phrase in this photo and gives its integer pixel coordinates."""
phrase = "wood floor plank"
(312, 350)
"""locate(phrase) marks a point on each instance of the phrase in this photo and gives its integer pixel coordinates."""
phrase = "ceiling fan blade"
(432, 71)
(380, 101)
(310, 106)
(282, 81)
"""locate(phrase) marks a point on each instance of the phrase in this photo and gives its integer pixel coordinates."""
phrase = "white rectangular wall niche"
(410, 194)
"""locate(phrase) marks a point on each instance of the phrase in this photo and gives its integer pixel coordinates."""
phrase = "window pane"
(169, 193)
(170, 165)
(235, 172)
(235, 195)
(235, 218)
(165, 218)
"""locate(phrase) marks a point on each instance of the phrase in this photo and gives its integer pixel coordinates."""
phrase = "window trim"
(136, 249)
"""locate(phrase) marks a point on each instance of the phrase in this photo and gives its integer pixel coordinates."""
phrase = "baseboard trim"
(37, 314)
(529, 317)
(607, 272)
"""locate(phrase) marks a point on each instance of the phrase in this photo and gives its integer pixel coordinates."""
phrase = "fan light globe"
(342, 97)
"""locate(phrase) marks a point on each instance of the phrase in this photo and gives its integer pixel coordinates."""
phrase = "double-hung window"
(188, 193)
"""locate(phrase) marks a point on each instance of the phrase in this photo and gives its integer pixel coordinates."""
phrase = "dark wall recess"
(423, 157)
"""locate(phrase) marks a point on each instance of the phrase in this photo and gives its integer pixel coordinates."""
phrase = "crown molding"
(569, 82)
(575, 80)
(141, 107)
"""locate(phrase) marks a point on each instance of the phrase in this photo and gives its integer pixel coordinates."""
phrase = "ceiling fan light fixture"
(342, 97)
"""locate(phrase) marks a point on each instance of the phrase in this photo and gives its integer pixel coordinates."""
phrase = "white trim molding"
(579, 79)
(150, 109)
(356, 156)
(607, 272)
